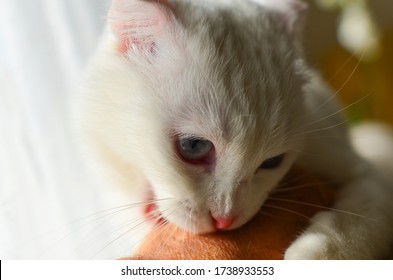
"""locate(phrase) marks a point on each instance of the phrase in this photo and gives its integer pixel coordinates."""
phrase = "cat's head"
(206, 100)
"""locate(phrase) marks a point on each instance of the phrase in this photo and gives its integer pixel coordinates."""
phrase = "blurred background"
(44, 46)
(350, 42)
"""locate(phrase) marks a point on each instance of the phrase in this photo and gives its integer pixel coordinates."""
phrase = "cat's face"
(230, 138)
(219, 118)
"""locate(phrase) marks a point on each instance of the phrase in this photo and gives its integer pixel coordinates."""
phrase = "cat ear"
(138, 23)
(290, 12)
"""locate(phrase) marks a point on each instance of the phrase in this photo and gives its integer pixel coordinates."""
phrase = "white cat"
(199, 108)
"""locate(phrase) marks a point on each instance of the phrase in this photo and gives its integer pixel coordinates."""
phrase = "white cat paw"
(313, 246)
(319, 242)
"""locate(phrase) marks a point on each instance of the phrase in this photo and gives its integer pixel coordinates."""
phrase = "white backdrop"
(44, 46)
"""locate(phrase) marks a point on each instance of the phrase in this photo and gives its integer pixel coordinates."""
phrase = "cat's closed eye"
(272, 163)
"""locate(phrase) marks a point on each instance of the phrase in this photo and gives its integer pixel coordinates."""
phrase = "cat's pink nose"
(222, 223)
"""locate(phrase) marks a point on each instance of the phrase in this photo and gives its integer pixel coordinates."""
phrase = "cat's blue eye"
(273, 162)
(194, 149)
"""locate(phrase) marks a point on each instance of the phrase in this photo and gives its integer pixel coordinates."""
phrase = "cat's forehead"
(239, 74)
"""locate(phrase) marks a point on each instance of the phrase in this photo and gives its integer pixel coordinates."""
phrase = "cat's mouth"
(150, 209)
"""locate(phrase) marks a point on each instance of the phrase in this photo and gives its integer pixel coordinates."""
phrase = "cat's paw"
(319, 242)
(311, 246)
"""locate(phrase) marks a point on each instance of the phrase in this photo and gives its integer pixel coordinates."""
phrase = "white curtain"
(44, 46)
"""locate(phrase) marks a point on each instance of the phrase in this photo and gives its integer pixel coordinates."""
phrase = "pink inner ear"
(136, 23)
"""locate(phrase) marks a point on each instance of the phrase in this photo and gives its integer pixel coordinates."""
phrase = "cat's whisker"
(85, 225)
(323, 207)
(282, 186)
(140, 224)
(157, 232)
(351, 57)
(338, 111)
(98, 236)
(118, 209)
(336, 92)
(115, 210)
(81, 225)
(321, 137)
(297, 214)
(306, 136)
(285, 190)
(165, 228)
(98, 239)
(297, 132)
(322, 128)
(114, 240)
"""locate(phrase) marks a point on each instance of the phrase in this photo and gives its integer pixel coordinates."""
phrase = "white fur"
(231, 73)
